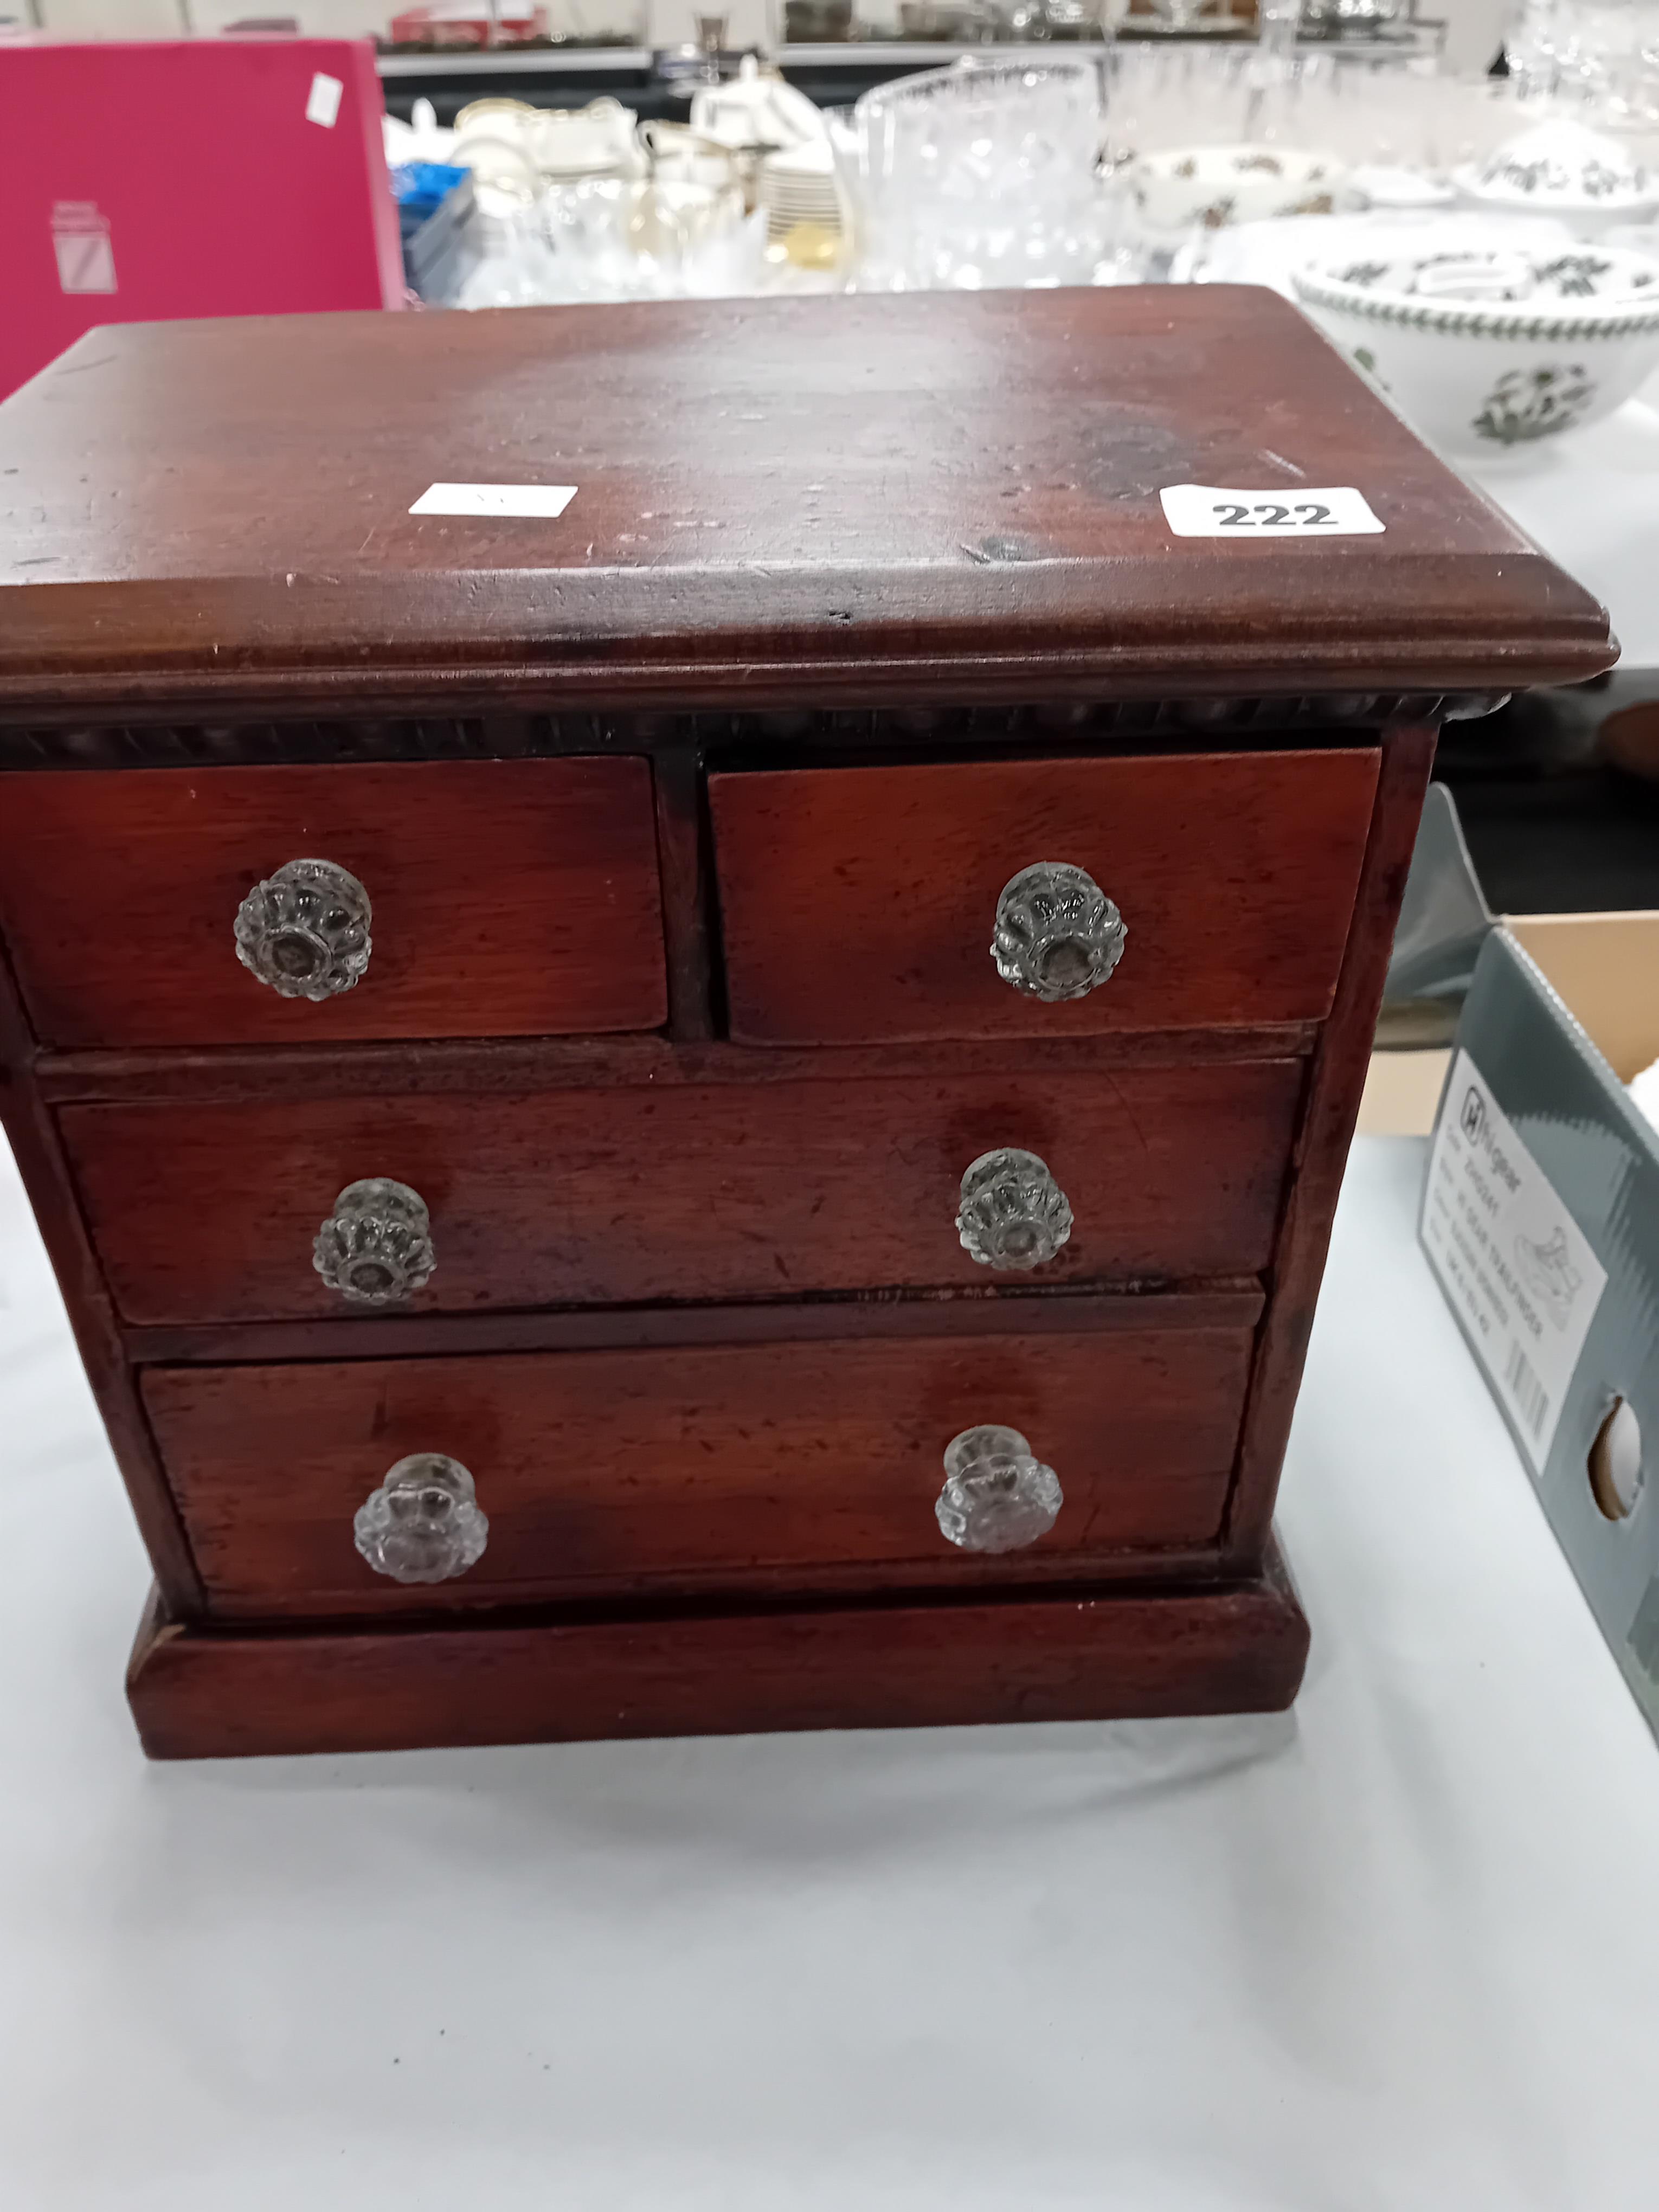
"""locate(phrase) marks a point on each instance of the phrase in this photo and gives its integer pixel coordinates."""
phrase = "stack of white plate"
(797, 185)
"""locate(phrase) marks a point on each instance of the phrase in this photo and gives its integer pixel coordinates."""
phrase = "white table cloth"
(1399, 1950)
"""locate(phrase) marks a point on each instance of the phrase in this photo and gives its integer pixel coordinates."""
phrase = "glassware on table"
(1374, 107)
(1602, 56)
(1160, 96)
(1336, 19)
(1085, 21)
(505, 177)
(980, 175)
(678, 231)
(1181, 15)
(711, 44)
(516, 267)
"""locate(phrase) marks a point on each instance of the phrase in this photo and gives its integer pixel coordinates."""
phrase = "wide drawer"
(787, 1465)
(858, 904)
(694, 1191)
(508, 898)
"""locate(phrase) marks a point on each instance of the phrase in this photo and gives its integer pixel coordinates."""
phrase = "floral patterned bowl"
(1497, 346)
(1210, 187)
(1560, 168)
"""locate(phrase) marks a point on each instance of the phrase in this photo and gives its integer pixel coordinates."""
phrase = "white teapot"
(752, 109)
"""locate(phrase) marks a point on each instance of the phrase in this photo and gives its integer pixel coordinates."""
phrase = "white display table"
(1397, 1953)
(1591, 500)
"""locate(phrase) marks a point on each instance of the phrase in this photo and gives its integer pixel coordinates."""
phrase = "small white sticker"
(81, 243)
(1509, 1257)
(1214, 511)
(323, 104)
(494, 499)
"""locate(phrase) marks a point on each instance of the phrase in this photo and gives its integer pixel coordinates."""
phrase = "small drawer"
(789, 1465)
(682, 1191)
(472, 898)
(859, 904)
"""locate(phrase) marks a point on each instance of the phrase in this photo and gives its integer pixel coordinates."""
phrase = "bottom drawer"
(787, 1467)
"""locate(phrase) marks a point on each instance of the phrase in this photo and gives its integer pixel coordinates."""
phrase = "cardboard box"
(1540, 1207)
(148, 180)
(1604, 967)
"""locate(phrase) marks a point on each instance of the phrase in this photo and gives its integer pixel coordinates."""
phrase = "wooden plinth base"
(1234, 1647)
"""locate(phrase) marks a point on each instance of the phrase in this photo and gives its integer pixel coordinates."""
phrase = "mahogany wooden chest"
(720, 1110)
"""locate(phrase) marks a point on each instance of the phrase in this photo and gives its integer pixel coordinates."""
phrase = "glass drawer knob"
(305, 929)
(423, 1524)
(1013, 1213)
(376, 1246)
(1058, 935)
(996, 1497)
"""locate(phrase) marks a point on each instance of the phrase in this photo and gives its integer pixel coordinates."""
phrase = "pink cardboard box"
(143, 181)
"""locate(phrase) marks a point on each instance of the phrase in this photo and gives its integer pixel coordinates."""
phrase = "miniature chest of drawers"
(720, 1110)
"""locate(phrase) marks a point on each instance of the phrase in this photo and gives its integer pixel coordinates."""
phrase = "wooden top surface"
(860, 498)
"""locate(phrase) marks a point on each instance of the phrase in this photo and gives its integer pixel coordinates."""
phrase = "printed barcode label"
(1532, 1400)
(1521, 1274)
